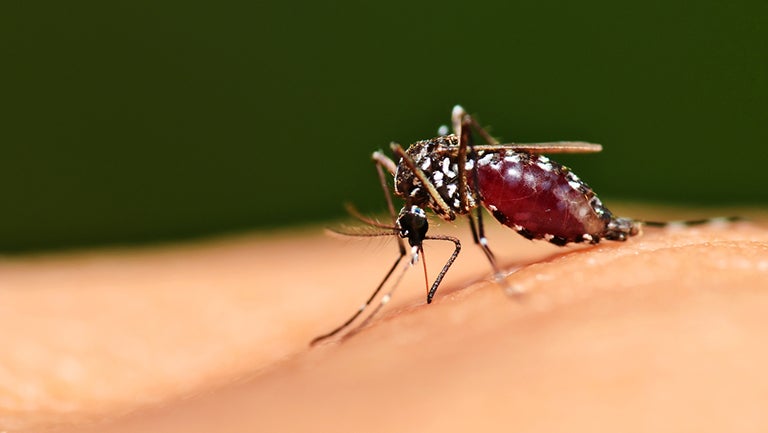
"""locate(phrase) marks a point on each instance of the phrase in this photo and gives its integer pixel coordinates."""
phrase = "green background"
(131, 122)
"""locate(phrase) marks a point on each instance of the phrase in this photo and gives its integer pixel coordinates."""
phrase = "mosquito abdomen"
(540, 198)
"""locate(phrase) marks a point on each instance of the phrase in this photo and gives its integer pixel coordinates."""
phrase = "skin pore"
(664, 331)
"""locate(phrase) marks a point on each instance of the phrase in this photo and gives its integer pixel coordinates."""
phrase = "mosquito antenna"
(352, 210)
(342, 232)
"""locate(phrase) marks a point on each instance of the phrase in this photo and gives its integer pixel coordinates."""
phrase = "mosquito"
(523, 189)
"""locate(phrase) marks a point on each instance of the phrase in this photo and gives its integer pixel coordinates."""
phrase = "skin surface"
(663, 332)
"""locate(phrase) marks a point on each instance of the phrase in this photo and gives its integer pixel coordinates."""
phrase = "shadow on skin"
(665, 331)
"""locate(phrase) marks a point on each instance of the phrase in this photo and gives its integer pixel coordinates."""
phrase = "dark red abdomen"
(539, 198)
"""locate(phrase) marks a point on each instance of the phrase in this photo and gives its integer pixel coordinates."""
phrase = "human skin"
(663, 332)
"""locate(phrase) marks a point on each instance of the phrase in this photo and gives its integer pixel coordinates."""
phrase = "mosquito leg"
(463, 125)
(382, 163)
(478, 235)
(483, 242)
(461, 129)
(362, 307)
(386, 298)
(384, 301)
(467, 157)
(447, 265)
(459, 114)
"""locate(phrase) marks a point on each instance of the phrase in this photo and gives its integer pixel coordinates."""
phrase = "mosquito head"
(620, 229)
(413, 225)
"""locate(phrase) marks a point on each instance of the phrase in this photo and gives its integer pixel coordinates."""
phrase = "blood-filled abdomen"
(539, 198)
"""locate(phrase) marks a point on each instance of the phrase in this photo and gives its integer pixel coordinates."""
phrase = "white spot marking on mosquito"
(492, 208)
(456, 203)
(418, 212)
(587, 237)
(514, 173)
(451, 189)
(484, 242)
(447, 168)
(518, 227)
(485, 160)
(599, 211)
(572, 176)
(543, 159)
(414, 192)
(426, 164)
(469, 165)
(512, 157)
(530, 180)
(438, 179)
(458, 110)
(437, 176)
(575, 185)
(442, 130)
(548, 237)
(546, 166)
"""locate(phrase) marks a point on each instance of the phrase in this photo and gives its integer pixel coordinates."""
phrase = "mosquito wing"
(548, 147)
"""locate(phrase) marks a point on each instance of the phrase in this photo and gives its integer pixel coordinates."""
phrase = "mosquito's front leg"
(382, 163)
(439, 279)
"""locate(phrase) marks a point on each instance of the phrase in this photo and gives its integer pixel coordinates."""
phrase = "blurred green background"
(128, 122)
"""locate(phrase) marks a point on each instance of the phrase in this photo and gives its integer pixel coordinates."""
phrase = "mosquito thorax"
(436, 157)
